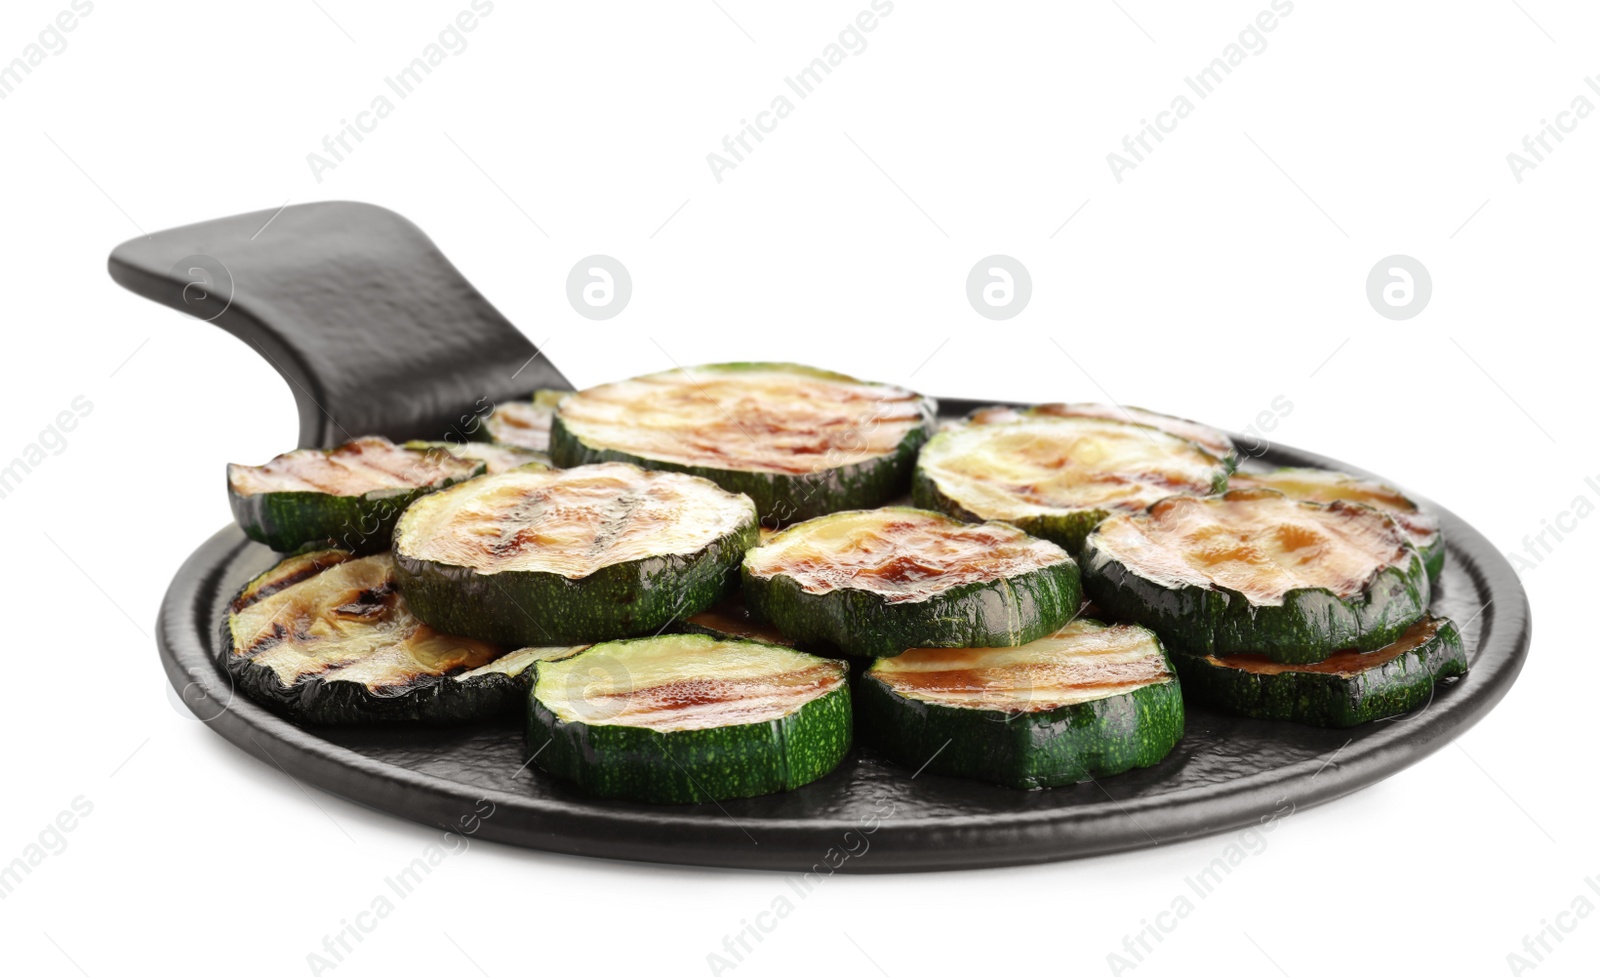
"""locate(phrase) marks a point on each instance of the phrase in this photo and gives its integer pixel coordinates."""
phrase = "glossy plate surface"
(1226, 773)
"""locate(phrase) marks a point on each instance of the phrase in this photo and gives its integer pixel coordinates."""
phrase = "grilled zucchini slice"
(325, 637)
(522, 423)
(1212, 440)
(1255, 572)
(1323, 485)
(878, 581)
(799, 441)
(1088, 701)
(547, 558)
(496, 458)
(681, 718)
(1058, 477)
(1345, 689)
(349, 496)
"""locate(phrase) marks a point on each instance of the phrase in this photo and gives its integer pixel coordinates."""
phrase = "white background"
(1224, 271)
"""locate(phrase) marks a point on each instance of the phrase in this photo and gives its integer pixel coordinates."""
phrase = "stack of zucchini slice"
(979, 668)
(1278, 608)
(676, 595)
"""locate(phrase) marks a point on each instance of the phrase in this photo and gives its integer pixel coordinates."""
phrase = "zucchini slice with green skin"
(1323, 485)
(878, 581)
(1212, 440)
(496, 458)
(1345, 689)
(1255, 572)
(1058, 477)
(799, 441)
(1088, 701)
(547, 558)
(325, 637)
(522, 423)
(683, 718)
(349, 496)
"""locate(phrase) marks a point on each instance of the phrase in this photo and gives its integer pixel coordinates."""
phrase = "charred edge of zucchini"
(1395, 683)
(1001, 612)
(1309, 624)
(687, 766)
(1024, 750)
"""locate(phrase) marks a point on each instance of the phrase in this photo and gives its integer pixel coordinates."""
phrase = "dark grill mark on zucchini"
(340, 645)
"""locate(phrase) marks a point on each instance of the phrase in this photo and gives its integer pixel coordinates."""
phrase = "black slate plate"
(867, 816)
